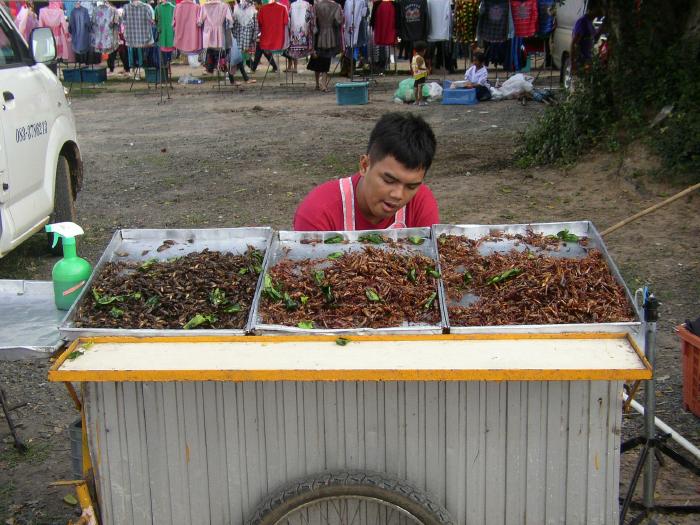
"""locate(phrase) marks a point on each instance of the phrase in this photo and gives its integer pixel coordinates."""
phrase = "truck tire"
(386, 499)
(63, 201)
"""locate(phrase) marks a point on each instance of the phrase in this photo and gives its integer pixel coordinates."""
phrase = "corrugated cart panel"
(490, 452)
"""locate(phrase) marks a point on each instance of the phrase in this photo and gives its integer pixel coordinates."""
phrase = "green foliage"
(652, 64)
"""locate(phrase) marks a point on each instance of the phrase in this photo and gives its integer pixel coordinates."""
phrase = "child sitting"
(420, 72)
(477, 77)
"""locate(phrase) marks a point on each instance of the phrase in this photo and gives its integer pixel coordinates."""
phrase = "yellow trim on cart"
(55, 374)
(351, 375)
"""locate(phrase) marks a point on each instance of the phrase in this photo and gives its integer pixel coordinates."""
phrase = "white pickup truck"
(40, 163)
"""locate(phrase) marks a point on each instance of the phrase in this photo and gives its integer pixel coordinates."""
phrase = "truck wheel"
(63, 201)
(342, 497)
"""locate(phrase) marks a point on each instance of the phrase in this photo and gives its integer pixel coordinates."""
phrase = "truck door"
(27, 117)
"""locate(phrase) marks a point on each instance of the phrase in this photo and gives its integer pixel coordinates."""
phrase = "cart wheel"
(346, 497)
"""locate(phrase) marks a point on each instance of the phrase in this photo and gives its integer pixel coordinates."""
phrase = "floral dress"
(301, 29)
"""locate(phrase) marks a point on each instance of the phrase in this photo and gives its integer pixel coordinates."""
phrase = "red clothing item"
(273, 20)
(524, 17)
(385, 24)
(322, 210)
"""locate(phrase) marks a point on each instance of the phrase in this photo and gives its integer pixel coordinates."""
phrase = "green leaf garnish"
(137, 295)
(106, 299)
(431, 299)
(504, 276)
(304, 299)
(342, 341)
(373, 238)
(270, 290)
(328, 293)
(243, 271)
(233, 308)
(147, 264)
(467, 277)
(335, 239)
(416, 239)
(116, 312)
(217, 297)
(75, 354)
(199, 319)
(335, 255)
(152, 301)
(372, 295)
(412, 275)
(319, 277)
(306, 325)
(567, 236)
(289, 303)
(434, 273)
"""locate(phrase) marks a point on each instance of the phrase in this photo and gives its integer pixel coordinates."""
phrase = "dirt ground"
(247, 157)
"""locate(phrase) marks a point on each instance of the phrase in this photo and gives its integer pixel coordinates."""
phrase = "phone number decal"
(31, 131)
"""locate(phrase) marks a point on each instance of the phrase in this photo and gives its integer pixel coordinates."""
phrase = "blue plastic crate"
(459, 96)
(72, 75)
(153, 75)
(94, 75)
(352, 93)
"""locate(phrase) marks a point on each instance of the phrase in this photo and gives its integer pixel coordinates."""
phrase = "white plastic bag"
(434, 91)
(193, 60)
(515, 86)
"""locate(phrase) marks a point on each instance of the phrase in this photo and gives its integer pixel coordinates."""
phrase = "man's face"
(386, 187)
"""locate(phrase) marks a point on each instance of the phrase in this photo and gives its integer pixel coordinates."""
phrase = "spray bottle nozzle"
(67, 230)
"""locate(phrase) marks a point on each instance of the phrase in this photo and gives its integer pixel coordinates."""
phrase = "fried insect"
(368, 288)
(200, 290)
(528, 287)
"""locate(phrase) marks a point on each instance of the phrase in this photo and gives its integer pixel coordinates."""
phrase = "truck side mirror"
(43, 45)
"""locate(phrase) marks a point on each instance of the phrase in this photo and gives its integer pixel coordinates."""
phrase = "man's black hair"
(406, 137)
(480, 56)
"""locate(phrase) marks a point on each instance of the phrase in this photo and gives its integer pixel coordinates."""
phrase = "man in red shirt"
(387, 192)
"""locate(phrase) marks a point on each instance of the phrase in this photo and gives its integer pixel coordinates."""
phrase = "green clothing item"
(165, 13)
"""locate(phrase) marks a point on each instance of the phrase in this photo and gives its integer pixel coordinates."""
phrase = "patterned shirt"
(105, 28)
(245, 35)
(138, 19)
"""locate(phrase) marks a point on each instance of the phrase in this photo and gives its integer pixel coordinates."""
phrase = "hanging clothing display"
(26, 21)
(383, 21)
(354, 12)
(212, 17)
(164, 14)
(440, 17)
(79, 27)
(329, 17)
(465, 18)
(273, 19)
(301, 29)
(188, 36)
(53, 18)
(137, 24)
(413, 17)
(524, 13)
(245, 25)
(105, 28)
(546, 10)
(494, 18)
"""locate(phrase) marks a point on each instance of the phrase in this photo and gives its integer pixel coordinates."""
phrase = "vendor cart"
(499, 425)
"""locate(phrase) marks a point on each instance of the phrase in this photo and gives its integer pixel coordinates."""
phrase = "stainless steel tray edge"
(281, 237)
(70, 332)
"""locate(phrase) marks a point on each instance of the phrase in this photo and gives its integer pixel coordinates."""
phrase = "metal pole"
(651, 316)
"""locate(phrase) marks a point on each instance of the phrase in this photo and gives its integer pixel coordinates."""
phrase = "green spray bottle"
(71, 273)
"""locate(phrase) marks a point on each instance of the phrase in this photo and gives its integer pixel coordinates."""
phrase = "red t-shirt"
(524, 14)
(322, 210)
(273, 19)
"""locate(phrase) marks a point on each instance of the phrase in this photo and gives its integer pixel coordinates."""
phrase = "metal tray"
(580, 228)
(30, 319)
(289, 245)
(140, 245)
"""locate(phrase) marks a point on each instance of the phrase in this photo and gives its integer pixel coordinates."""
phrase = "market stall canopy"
(493, 357)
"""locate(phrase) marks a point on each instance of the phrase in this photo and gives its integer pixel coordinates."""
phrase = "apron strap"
(347, 195)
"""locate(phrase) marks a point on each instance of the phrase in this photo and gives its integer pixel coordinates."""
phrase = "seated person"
(477, 77)
(388, 190)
